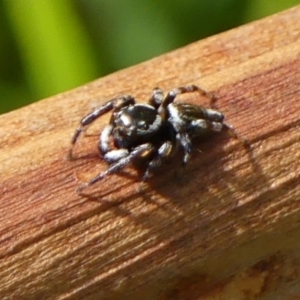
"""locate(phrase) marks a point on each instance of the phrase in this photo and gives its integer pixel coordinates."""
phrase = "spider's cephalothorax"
(152, 131)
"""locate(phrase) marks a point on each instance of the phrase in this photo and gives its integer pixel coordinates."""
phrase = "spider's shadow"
(191, 201)
(183, 188)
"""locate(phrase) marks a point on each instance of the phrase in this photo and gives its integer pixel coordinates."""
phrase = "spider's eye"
(142, 124)
(126, 120)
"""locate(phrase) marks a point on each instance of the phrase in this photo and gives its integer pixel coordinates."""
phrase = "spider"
(150, 132)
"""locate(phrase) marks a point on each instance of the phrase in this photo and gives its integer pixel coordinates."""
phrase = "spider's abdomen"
(193, 119)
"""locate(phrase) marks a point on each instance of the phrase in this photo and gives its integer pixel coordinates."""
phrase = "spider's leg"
(182, 90)
(232, 132)
(164, 151)
(116, 103)
(198, 126)
(113, 156)
(156, 98)
(104, 139)
(185, 141)
(140, 151)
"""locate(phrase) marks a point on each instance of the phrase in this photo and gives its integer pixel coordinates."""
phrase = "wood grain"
(227, 226)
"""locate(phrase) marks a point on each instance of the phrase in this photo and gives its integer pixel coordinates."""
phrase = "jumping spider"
(152, 131)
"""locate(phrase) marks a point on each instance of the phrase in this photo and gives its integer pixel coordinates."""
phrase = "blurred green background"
(51, 46)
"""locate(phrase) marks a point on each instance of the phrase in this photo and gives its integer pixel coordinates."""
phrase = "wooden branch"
(227, 226)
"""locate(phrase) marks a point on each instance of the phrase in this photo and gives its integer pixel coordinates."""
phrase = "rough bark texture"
(225, 227)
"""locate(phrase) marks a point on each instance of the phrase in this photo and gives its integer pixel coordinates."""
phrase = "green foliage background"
(50, 46)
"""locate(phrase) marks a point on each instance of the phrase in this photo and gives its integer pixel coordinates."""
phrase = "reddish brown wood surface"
(225, 226)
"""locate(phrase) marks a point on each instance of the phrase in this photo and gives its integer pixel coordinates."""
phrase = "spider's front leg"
(126, 158)
(116, 104)
(156, 98)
